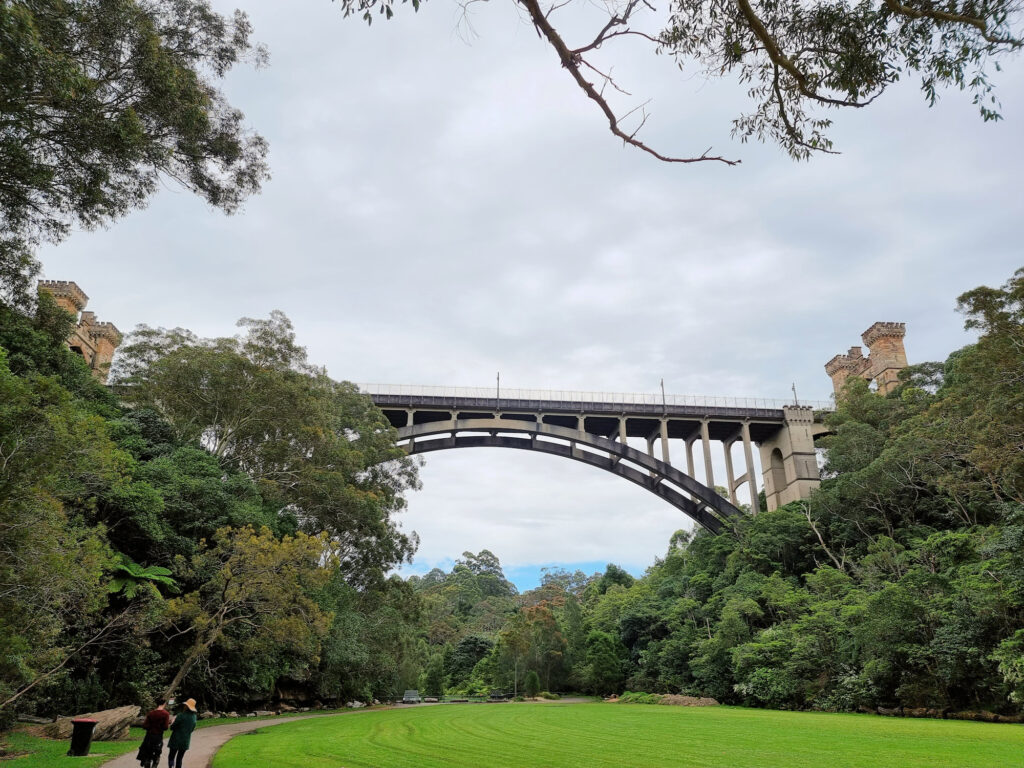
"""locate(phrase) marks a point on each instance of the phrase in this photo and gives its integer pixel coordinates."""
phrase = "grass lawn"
(50, 753)
(598, 735)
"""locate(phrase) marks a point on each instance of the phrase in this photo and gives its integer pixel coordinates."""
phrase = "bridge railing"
(573, 396)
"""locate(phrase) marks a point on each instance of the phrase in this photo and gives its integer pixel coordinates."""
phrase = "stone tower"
(886, 358)
(93, 340)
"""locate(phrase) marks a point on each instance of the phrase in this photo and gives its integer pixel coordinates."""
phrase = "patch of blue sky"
(528, 576)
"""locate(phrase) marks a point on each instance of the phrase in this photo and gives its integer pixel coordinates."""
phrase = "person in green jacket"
(181, 734)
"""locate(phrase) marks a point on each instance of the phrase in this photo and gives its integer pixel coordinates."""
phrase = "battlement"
(883, 330)
(848, 362)
(885, 359)
(93, 340)
(68, 294)
(798, 414)
(106, 331)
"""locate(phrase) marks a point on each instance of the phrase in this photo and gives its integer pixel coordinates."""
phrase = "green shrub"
(531, 685)
(548, 695)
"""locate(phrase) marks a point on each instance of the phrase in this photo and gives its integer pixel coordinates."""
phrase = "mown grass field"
(598, 735)
(50, 753)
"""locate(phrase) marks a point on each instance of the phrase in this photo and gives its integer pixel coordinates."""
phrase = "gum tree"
(100, 101)
(799, 61)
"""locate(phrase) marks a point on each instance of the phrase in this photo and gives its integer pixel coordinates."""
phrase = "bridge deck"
(510, 405)
(602, 413)
(616, 402)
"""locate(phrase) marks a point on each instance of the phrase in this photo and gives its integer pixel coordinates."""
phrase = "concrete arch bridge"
(594, 428)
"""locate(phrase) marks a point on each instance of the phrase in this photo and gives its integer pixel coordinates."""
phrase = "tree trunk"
(193, 656)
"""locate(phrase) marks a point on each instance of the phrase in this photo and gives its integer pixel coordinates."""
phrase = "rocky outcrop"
(111, 724)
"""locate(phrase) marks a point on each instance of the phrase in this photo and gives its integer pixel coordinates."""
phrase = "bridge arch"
(694, 499)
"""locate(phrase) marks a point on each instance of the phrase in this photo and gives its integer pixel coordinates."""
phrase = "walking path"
(206, 741)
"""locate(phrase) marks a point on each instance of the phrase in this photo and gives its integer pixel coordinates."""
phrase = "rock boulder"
(111, 724)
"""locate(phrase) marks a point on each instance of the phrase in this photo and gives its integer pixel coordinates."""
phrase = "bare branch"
(608, 80)
(840, 564)
(572, 62)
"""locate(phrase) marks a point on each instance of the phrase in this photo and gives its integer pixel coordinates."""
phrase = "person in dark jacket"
(181, 734)
(154, 725)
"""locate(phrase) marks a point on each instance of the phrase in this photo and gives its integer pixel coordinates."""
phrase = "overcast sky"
(446, 205)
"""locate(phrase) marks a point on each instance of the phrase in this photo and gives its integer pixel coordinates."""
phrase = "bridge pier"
(730, 475)
(663, 430)
(748, 455)
(705, 439)
(788, 460)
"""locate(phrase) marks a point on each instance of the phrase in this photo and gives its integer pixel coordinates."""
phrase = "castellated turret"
(93, 340)
(886, 358)
(68, 295)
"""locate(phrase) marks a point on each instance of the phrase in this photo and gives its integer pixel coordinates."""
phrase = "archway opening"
(778, 472)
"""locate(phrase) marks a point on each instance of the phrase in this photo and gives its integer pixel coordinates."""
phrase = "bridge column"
(730, 475)
(622, 430)
(755, 505)
(705, 438)
(689, 457)
(409, 422)
(664, 441)
(788, 460)
(650, 449)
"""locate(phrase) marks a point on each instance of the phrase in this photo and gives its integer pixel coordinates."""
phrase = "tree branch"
(780, 59)
(572, 61)
(955, 18)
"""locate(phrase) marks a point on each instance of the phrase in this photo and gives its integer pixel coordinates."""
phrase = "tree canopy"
(145, 545)
(317, 448)
(799, 61)
(100, 100)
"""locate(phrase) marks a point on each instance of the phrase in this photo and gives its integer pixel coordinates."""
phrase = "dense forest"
(223, 522)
